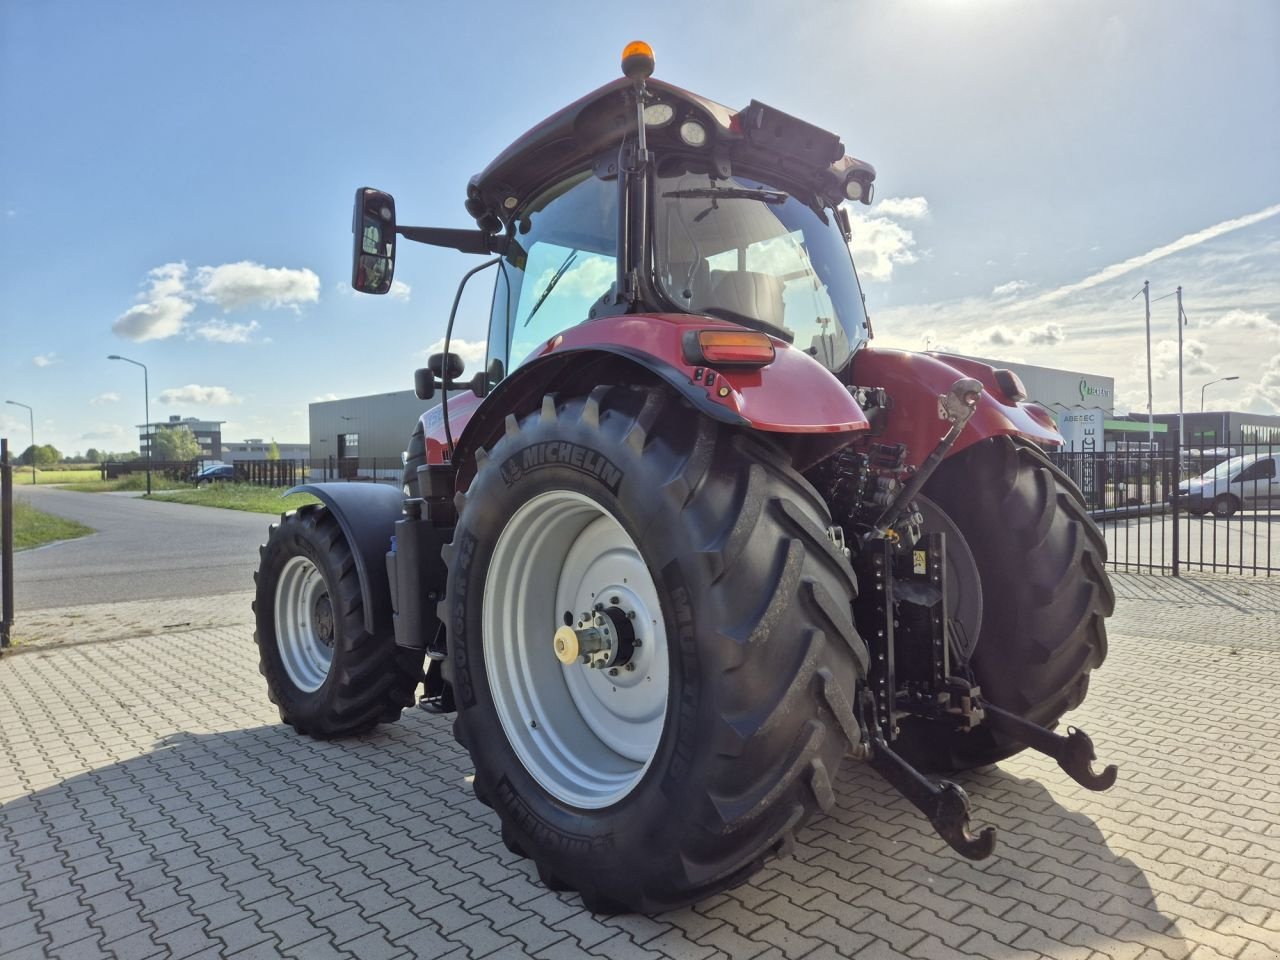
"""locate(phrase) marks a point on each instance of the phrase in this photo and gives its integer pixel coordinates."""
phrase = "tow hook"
(944, 803)
(1074, 752)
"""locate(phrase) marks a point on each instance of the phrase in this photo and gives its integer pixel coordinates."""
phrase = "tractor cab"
(642, 197)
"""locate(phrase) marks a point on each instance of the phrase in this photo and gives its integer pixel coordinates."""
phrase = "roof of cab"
(580, 132)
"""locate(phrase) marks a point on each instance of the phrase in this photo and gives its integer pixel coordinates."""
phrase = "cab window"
(563, 259)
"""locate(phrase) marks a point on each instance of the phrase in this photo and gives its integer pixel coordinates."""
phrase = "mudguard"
(915, 380)
(367, 514)
(792, 395)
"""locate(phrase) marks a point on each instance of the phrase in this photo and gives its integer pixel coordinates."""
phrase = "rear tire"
(1046, 596)
(745, 613)
(325, 672)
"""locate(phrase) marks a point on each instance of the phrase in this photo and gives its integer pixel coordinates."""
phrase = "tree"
(176, 444)
(273, 451)
(45, 455)
(91, 455)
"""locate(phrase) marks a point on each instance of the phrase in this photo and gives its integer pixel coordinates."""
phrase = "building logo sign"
(1088, 390)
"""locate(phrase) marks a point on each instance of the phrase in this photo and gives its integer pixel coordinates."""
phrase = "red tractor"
(688, 541)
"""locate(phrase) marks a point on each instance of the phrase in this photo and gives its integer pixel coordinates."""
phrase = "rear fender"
(367, 514)
(794, 398)
(914, 381)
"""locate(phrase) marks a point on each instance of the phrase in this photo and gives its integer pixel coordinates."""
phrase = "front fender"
(794, 395)
(914, 381)
(367, 514)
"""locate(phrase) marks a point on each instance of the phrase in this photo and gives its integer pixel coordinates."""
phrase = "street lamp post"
(32, 418)
(1225, 438)
(146, 400)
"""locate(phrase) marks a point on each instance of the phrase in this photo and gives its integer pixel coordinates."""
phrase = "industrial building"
(364, 435)
(208, 434)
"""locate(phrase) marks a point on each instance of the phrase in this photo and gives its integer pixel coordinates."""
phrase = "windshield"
(743, 250)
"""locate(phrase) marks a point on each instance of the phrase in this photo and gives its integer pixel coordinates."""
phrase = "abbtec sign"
(1082, 430)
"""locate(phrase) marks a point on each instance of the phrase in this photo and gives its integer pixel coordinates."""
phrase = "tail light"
(728, 348)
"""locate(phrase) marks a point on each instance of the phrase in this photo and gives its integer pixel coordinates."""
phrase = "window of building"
(348, 445)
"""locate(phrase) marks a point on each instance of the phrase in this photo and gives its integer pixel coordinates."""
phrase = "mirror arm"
(466, 241)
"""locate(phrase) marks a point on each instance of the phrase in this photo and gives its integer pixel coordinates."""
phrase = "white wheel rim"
(304, 624)
(585, 735)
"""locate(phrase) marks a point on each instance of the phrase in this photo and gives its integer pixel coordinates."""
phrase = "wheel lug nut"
(613, 671)
(631, 666)
(615, 601)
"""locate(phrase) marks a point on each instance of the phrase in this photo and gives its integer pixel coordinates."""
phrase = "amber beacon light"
(637, 60)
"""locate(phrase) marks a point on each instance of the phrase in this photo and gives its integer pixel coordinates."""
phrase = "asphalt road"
(143, 550)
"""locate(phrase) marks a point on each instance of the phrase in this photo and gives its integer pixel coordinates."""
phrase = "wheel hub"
(603, 639)
(322, 619)
(586, 731)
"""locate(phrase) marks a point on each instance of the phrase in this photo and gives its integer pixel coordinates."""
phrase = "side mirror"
(373, 255)
(447, 367)
(424, 384)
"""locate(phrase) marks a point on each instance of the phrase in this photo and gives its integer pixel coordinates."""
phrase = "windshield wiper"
(730, 193)
(551, 284)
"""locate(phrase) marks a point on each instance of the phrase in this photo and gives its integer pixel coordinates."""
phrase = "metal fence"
(381, 469)
(1193, 508)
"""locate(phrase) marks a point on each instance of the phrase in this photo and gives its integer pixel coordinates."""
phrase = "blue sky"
(183, 172)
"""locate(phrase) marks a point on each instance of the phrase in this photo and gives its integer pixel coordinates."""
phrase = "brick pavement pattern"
(152, 806)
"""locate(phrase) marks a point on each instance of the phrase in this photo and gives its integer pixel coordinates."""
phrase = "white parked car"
(1251, 481)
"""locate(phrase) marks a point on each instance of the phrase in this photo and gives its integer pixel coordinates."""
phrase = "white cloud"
(45, 359)
(162, 310)
(154, 320)
(472, 352)
(399, 290)
(910, 208)
(169, 298)
(1245, 321)
(999, 337)
(1048, 335)
(244, 284)
(325, 398)
(219, 331)
(1151, 256)
(1012, 288)
(879, 244)
(1264, 396)
(105, 398)
(195, 394)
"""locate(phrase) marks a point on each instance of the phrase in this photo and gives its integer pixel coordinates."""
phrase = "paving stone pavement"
(151, 805)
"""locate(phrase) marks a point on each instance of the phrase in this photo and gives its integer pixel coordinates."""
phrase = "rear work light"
(728, 348)
(1011, 385)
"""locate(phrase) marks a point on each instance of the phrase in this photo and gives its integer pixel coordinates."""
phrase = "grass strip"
(34, 528)
(238, 496)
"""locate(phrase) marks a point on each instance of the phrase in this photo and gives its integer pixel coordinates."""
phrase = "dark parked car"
(213, 472)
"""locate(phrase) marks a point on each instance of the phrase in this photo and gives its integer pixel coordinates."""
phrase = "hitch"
(1074, 752)
(944, 803)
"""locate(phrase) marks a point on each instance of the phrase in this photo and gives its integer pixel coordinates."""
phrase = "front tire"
(1225, 505)
(325, 672)
(1039, 564)
(641, 798)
